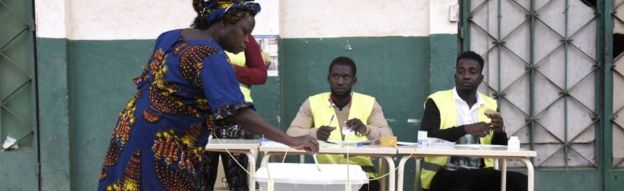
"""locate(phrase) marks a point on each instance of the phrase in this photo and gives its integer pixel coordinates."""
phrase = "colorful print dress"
(185, 90)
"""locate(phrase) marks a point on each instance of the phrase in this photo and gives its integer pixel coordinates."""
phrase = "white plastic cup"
(513, 143)
(422, 138)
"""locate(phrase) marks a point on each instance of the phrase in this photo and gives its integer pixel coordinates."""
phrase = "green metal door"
(17, 96)
(548, 65)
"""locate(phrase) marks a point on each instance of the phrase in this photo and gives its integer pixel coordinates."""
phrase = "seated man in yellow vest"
(325, 114)
(464, 116)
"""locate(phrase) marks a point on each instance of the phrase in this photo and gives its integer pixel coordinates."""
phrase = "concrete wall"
(122, 20)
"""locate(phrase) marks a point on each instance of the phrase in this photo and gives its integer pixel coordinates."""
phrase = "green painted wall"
(567, 180)
(615, 180)
(443, 53)
(84, 84)
(53, 113)
(17, 170)
(266, 100)
(100, 74)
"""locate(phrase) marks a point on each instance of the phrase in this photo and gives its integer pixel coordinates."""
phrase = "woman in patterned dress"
(186, 89)
(250, 70)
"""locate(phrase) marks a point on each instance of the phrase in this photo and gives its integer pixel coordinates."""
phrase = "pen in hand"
(316, 162)
(314, 155)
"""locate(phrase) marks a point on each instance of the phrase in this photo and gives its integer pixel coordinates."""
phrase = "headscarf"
(230, 10)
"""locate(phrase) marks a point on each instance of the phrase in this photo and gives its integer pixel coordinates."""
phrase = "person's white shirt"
(466, 115)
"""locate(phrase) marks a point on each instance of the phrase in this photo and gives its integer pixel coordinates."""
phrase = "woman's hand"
(250, 120)
(305, 142)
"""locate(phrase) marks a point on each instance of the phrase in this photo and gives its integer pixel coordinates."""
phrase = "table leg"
(265, 159)
(530, 173)
(382, 170)
(392, 178)
(401, 175)
(251, 158)
(503, 166)
(416, 185)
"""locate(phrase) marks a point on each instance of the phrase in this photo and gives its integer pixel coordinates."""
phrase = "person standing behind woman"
(186, 89)
(250, 69)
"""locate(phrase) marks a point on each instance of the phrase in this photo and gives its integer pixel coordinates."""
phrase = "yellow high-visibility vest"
(448, 118)
(324, 114)
(239, 60)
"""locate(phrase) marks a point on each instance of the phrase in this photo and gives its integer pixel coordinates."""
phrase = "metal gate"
(17, 96)
(541, 66)
(557, 69)
(548, 64)
(616, 74)
(618, 85)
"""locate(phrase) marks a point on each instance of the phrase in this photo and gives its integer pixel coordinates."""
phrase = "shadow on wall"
(618, 38)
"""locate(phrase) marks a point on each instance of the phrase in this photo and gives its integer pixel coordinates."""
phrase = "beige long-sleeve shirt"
(303, 124)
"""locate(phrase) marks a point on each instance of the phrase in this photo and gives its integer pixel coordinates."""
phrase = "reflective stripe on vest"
(445, 101)
(239, 60)
(324, 114)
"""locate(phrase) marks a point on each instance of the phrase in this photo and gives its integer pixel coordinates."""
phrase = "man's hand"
(323, 132)
(306, 142)
(356, 125)
(497, 121)
(477, 129)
